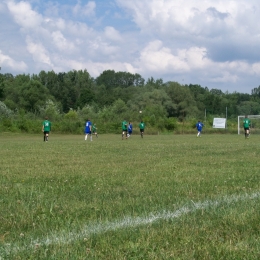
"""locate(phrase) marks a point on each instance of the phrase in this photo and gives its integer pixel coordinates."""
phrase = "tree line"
(69, 98)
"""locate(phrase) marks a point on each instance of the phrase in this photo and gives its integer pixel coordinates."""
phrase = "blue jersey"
(130, 128)
(88, 127)
(199, 126)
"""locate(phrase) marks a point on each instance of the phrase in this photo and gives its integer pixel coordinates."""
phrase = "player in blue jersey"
(129, 129)
(88, 128)
(199, 127)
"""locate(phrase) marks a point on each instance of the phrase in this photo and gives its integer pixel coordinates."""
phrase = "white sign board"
(219, 123)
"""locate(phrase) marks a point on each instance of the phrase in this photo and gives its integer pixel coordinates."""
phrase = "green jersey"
(142, 126)
(246, 123)
(94, 129)
(124, 125)
(46, 126)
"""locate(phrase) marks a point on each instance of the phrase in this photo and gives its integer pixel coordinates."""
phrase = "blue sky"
(212, 43)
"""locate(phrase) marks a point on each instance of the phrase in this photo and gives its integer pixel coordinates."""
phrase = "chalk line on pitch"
(62, 237)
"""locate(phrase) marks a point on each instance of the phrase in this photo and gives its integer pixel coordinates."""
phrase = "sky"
(212, 43)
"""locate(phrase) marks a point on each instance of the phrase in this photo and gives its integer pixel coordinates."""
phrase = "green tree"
(248, 108)
(13, 88)
(2, 86)
(33, 95)
(183, 99)
(112, 79)
(256, 92)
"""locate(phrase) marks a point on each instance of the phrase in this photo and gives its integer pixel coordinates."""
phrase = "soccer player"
(130, 129)
(142, 127)
(246, 124)
(46, 128)
(88, 129)
(94, 130)
(124, 129)
(199, 127)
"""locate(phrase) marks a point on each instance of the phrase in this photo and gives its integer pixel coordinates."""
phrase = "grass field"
(160, 197)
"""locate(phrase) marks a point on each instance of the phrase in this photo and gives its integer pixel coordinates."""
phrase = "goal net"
(255, 124)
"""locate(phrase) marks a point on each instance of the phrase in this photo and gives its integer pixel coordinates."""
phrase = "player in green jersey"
(46, 128)
(246, 124)
(142, 127)
(124, 129)
(94, 130)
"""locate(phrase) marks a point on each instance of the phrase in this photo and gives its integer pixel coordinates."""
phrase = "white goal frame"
(242, 117)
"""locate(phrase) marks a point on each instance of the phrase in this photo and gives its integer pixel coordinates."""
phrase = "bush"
(5, 112)
(9, 126)
(171, 123)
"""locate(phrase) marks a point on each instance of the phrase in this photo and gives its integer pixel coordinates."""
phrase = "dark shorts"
(130, 132)
(141, 130)
(46, 132)
(246, 128)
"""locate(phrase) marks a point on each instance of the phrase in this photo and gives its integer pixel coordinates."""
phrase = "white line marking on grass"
(64, 237)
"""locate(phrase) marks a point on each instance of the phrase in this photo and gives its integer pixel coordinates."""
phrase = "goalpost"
(255, 123)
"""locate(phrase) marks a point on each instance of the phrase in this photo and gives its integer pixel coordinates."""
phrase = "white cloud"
(7, 61)
(55, 23)
(225, 76)
(195, 20)
(38, 51)
(24, 15)
(79, 29)
(210, 41)
(112, 34)
(61, 42)
(86, 10)
(107, 49)
(155, 57)
(256, 68)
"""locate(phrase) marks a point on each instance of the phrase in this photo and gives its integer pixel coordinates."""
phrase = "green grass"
(160, 197)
